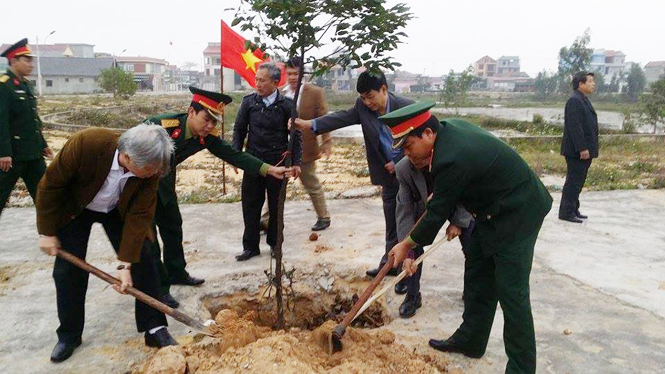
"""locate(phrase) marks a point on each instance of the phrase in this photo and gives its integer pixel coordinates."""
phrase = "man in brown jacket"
(101, 176)
(311, 104)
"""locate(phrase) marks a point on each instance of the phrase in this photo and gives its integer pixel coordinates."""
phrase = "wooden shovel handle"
(146, 299)
(367, 293)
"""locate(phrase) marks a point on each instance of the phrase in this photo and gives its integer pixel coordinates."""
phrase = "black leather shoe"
(188, 281)
(63, 351)
(452, 346)
(580, 215)
(321, 224)
(401, 287)
(170, 301)
(373, 272)
(246, 255)
(161, 338)
(410, 305)
(571, 219)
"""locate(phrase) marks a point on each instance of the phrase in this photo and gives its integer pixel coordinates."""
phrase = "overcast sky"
(445, 35)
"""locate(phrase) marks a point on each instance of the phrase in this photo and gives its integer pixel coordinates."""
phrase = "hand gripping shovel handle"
(398, 278)
(146, 299)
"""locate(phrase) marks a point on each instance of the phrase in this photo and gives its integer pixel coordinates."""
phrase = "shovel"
(340, 329)
(146, 299)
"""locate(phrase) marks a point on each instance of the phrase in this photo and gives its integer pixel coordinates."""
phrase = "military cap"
(213, 101)
(404, 120)
(19, 49)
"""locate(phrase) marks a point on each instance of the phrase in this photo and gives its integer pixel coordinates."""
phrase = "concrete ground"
(602, 282)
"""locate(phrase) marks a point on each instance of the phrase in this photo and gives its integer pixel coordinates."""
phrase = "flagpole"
(221, 88)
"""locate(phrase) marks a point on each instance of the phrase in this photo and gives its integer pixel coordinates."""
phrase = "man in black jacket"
(263, 119)
(374, 101)
(579, 144)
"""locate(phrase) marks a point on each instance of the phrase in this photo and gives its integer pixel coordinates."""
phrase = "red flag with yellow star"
(241, 59)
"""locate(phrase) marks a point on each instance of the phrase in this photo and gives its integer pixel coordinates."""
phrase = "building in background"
(609, 63)
(176, 79)
(654, 71)
(508, 66)
(148, 71)
(71, 75)
(485, 67)
(212, 71)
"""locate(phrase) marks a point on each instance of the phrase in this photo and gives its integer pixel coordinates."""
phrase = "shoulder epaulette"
(168, 123)
(4, 78)
(215, 132)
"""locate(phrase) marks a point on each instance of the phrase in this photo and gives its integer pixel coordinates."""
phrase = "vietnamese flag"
(245, 62)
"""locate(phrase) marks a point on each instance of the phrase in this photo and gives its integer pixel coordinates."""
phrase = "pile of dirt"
(240, 345)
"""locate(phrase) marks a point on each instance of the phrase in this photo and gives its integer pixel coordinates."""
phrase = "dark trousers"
(504, 278)
(254, 190)
(575, 177)
(389, 197)
(169, 221)
(413, 282)
(71, 282)
(30, 171)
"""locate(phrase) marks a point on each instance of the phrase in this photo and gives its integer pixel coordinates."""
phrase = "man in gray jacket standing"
(415, 187)
(374, 101)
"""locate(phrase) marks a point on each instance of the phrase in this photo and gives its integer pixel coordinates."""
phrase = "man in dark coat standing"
(579, 144)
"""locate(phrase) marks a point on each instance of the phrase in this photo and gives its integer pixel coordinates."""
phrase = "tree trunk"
(277, 280)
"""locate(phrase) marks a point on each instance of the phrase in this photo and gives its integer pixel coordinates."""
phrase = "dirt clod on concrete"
(241, 346)
(313, 237)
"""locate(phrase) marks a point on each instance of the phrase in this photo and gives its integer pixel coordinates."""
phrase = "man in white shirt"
(100, 177)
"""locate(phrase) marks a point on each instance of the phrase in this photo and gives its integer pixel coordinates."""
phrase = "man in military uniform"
(192, 132)
(22, 145)
(472, 167)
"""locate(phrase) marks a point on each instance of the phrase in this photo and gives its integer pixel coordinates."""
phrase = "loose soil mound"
(240, 345)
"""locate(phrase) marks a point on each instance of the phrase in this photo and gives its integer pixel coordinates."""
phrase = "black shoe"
(401, 287)
(63, 351)
(571, 219)
(188, 280)
(451, 345)
(580, 215)
(246, 255)
(321, 224)
(374, 272)
(410, 305)
(170, 301)
(161, 338)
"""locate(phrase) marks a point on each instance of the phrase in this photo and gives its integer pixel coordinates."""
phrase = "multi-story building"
(212, 71)
(176, 79)
(148, 72)
(609, 63)
(508, 66)
(654, 71)
(485, 67)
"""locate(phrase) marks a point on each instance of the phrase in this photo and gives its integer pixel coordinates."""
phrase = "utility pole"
(39, 65)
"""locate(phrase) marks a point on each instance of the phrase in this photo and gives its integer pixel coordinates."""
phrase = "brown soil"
(304, 309)
(240, 345)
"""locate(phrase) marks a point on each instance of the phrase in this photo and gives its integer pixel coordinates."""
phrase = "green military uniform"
(485, 175)
(20, 136)
(167, 214)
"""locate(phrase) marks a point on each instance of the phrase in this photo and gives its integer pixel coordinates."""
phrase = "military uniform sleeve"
(449, 182)
(51, 199)
(5, 132)
(240, 127)
(239, 159)
(575, 114)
